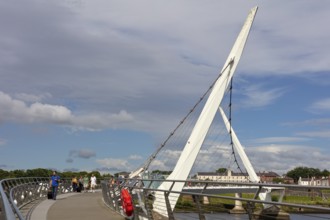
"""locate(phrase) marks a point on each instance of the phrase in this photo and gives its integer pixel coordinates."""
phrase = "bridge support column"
(206, 200)
(238, 209)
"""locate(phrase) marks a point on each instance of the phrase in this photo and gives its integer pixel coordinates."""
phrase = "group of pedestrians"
(83, 183)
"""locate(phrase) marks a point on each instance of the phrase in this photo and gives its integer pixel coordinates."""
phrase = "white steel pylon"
(199, 132)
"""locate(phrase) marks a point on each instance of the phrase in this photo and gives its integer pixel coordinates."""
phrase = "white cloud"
(321, 106)
(135, 157)
(48, 113)
(279, 139)
(316, 134)
(256, 96)
(114, 164)
(31, 98)
(282, 158)
(99, 121)
(19, 112)
(159, 165)
(313, 122)
(165, 160)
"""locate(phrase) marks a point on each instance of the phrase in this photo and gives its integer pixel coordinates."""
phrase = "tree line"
(41, 172)
(307, 172)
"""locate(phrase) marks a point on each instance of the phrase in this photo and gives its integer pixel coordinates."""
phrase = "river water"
(225, 216)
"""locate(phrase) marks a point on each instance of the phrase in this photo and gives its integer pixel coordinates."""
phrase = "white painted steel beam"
(239, 148)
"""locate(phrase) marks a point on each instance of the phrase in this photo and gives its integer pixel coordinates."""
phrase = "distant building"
(267, 177)
(229, 176)
(287, 180)
(323, 181)
(304, 181)
(122, 174)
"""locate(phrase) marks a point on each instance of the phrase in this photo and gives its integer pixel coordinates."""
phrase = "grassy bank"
(189, 204)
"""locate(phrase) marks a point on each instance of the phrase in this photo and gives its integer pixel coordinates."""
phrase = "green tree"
(68, 174)
(83, 173)
(304, 172)
(325, 173)
(221, 170)
(107, 176)
(39, 172)
(278, 180)
(17, 173)
(3, 174)
(163, 172)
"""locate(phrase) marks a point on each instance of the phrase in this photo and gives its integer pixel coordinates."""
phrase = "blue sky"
(98, 85)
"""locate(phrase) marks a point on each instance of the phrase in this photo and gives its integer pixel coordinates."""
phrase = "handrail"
(17, 192)
(6, 209)
(212, 183)
(142, 193)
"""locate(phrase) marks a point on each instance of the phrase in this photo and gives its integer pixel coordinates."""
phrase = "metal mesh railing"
(200, 199)
(17, 193)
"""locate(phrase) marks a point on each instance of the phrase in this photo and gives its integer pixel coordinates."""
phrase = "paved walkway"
(75, 206)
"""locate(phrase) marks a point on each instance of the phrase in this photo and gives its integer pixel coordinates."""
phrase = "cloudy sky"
(99, 84)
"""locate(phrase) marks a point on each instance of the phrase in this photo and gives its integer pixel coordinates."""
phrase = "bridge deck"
(80, 206)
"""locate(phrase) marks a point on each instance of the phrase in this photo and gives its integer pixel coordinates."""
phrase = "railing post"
(111, 198)
(116, 195)
(147, 205)
(238, 209)
(250, 208)
(168, 206)
(199, 208)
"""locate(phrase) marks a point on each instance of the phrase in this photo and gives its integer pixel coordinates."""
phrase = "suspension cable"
(230, 124)
(153, 156)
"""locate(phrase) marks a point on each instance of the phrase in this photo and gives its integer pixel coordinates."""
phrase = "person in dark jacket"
(55, 179)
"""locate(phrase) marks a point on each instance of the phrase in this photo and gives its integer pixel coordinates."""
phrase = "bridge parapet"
(17, 193)
(203, 198)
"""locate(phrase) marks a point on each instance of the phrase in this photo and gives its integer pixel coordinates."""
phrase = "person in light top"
(93, 183)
